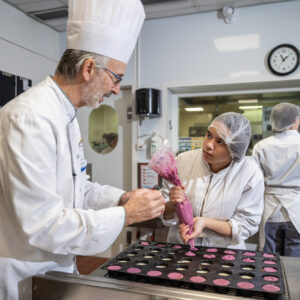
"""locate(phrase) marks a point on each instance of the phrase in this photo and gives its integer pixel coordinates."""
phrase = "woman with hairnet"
(225, 188)
(279, 159)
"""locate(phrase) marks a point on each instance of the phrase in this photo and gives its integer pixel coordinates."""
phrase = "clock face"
(283, 59)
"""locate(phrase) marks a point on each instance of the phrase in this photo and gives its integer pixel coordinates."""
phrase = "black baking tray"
(249, 273)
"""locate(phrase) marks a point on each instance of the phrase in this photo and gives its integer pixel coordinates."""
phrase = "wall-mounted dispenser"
(148, 103)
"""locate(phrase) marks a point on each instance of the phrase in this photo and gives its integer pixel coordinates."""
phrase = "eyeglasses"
(119, 78)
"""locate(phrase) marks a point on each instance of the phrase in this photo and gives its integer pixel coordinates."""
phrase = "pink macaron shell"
(209, 256)
(270, 278)
(153, 273)
(269, 269)
(222, 282)
(269, 262)
(249, 253)
(190, 253)
(271, 288)
(228, 257)
(269, 255)
(230, 252)
(248, 259)
(212, 250)
(197, 279)
(177, 247)
(134, 270)
(175, 275)
(112, 268)
(144, 243)
(245, 285)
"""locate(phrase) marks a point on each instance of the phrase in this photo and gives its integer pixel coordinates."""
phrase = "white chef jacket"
(49, 211)
(279, 158)
(234, 194)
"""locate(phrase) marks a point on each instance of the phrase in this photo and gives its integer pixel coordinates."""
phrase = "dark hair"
(110, 138)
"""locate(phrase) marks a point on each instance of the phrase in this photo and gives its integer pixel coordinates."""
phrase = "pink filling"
(134, 270)
(197, 279)
(268, 255)
(212, 250)
(249, 260)
(190, 253)
(144, 243)
(154, 273)
(269, 269)
(229, 252)
(249, 253)
(271, 288)
(175, 275)
(209, 256)
(245, 285)
(177, 247)
(270, 278)
(269, 262)
(228, 257)
(222, 282)
(113, 268)
(160, 245)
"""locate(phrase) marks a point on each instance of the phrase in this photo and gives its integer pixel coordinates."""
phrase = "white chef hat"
(106, 27)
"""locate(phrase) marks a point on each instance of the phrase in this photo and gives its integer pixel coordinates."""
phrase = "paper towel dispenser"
(148, 102)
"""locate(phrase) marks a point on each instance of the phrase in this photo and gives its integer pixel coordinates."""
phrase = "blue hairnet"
(237, 137)
(283, 116)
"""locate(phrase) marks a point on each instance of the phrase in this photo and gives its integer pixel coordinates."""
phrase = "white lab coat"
(234, 193)
(279, 159)
(47, 215)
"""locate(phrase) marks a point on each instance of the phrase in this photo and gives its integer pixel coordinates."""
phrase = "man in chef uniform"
(49, 211)
(279, 159)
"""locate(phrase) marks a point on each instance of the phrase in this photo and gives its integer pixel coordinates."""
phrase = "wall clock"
(283, 59)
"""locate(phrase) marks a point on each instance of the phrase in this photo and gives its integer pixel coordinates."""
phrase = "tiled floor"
(88, 264)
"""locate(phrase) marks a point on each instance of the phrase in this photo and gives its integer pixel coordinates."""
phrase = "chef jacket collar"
(288, 132)
(67, 105)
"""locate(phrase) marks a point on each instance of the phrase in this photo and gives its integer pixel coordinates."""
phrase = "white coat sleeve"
(98, 196)
(42, 215)
(247, 216)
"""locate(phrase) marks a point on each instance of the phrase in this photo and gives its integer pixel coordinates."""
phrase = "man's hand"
(143, 205)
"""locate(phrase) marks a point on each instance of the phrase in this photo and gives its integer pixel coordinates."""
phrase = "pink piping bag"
(163, 163)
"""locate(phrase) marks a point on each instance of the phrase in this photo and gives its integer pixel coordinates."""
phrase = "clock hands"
(286, 56)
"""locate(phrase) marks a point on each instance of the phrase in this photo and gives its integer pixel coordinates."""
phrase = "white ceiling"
(54, 12)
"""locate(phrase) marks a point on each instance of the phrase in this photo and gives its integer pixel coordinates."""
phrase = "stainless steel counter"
(56, 285)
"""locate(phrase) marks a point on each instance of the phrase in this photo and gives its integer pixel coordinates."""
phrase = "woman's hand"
(199, 226)
(177, 194)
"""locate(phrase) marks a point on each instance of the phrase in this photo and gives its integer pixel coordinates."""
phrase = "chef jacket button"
(77, 156)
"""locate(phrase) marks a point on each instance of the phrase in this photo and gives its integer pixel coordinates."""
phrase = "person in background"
(225, 188)
(279, 158)
(49, 211)
(111, 141)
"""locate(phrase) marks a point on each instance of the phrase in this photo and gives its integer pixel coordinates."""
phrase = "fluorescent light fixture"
(237, 43)
(250, 107)
(246, 101)
(194, 108)
(244, 74)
